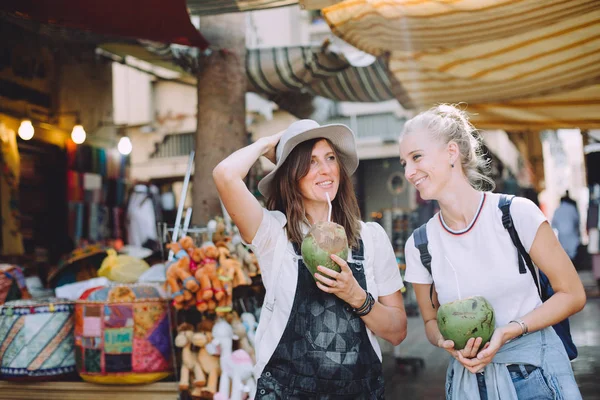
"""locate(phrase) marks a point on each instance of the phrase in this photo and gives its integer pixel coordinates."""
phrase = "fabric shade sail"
(516, 64)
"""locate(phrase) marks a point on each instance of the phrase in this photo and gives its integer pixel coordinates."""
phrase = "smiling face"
(323, 175)
(427, 163)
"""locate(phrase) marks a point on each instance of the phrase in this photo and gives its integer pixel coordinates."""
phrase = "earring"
(452, 165)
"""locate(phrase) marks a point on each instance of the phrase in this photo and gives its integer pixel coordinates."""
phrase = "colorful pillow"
(36, 339)
(122, 335)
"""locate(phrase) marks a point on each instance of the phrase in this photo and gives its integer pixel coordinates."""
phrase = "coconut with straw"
(322, 240)
(464, 319)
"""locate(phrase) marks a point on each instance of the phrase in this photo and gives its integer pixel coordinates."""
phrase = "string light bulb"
(78, 134)
(125, 145)
(26, 130)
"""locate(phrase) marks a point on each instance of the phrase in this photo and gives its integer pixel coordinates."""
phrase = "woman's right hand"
(271, 146)
(470, 350)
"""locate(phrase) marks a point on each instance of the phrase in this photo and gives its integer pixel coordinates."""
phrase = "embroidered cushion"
(122, 335)
(36, 339)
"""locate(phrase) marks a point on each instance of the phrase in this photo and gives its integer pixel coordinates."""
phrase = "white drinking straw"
(329, 202)
(455, 277)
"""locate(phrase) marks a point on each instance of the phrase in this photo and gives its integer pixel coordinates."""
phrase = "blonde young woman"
(525, 359)
(314, 340)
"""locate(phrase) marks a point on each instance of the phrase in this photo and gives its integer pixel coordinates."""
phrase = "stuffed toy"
(248, 259)
(236, 366)
(210, 364)
(231, 268)
(189, 359)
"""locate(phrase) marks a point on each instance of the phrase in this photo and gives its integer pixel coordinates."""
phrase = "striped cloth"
(517, 64)
(213, 7)
(276, 72)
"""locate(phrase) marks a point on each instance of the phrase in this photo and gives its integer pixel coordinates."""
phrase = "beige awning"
(517, 64)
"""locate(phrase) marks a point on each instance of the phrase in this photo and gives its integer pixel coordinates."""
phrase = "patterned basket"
(36, 339)
(122, 335)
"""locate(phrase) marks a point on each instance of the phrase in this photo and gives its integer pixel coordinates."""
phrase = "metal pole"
(186, 222)
(186, 182)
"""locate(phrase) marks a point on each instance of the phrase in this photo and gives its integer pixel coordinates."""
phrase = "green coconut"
(462, 320)
(322, 240)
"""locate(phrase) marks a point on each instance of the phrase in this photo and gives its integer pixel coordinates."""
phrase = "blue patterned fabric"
(36, 339)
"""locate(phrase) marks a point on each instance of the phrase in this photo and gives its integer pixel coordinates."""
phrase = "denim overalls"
(325, 352)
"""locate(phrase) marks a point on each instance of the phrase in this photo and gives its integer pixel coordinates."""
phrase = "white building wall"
(131, 96)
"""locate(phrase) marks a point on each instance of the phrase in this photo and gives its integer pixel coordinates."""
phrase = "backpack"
(542, 282)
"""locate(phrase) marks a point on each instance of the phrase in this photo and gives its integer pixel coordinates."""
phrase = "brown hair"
(287, 198)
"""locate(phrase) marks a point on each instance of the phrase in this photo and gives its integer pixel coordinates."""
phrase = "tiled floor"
(428, 383)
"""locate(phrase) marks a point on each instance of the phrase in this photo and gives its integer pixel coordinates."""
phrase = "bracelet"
(364, 304)
(366, 307)
(522, 324)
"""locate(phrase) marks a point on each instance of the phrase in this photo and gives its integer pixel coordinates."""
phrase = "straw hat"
(339, 135)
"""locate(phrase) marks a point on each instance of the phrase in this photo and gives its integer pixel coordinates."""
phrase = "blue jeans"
(528, 381)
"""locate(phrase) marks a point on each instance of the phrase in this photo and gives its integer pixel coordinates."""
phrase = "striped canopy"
(277, 71)
(516, 64)
(213, 7)
(299, 70)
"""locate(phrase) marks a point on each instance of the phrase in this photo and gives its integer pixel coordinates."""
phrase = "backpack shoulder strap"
(421, 241)
(523, 257)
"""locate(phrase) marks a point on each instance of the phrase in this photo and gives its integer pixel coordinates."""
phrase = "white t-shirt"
(484, 259)
(381, 271)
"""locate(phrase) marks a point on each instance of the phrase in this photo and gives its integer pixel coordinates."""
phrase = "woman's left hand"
(486, 355)
(342, 284)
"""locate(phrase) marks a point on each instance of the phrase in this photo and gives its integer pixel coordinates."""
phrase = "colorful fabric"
(36, 339)
(10, 170)
(122, 334)
(12, 283)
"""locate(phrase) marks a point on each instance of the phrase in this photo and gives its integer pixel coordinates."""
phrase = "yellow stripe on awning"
(495, 56)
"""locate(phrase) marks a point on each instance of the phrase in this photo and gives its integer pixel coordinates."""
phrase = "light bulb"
(26, 130)
(125, 146)
(78, 134)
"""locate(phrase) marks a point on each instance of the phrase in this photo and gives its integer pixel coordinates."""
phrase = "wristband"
(366, 307)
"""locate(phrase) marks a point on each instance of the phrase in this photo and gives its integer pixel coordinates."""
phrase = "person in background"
(566, 222)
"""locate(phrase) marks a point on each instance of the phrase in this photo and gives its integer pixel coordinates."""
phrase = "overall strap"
(421, 241)
(523, 257)
(297, 249)
(358, 253)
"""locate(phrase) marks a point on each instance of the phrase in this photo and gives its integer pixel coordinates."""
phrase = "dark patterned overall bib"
(325, 352)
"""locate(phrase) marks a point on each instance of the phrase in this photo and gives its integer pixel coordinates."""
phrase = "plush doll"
(209, 268)
(205, 291)
(189, 359)
(231, 268)
(248, 258)
(180, 248)
(249, 321)
(236, 366)
(175, 290)
(239, 330)
(210, 364)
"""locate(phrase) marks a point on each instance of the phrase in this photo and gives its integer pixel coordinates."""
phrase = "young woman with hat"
(472, 254)
(314, 340)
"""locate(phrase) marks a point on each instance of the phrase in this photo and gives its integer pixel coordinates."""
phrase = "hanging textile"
(141, 217)
(12, 240)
